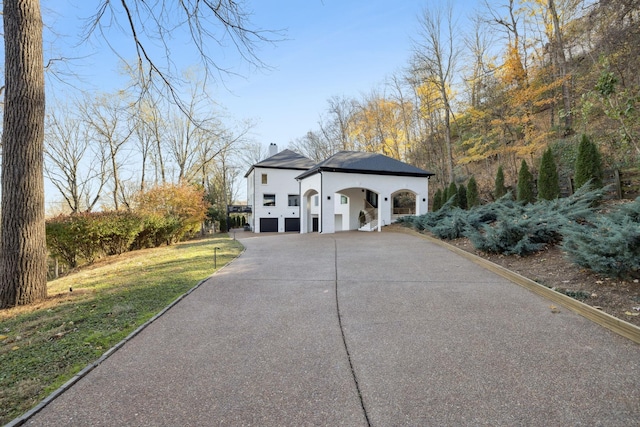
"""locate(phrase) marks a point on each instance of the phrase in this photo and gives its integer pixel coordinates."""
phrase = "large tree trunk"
(23, 256)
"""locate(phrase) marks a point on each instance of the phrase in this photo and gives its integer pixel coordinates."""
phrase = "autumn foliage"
(170, 212)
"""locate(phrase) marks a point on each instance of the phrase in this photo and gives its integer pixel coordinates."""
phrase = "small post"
(215, 258)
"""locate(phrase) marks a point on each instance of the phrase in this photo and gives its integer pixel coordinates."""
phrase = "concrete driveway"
(357, 329)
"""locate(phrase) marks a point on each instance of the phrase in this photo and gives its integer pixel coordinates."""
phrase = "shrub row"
(606, 243)
(82, 238)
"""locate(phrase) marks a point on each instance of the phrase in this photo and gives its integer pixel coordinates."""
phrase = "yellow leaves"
(513, 71)
(378, 126)
(181, 200)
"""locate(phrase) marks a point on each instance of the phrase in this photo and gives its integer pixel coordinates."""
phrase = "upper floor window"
(294, 200)
(344, 200)
(269, 200)
(264, 178)
(315, 200)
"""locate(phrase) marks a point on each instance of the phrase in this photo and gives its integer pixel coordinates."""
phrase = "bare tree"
(70, 166)
(436, 57)
(107, 118)
(251, 152)
(312, 145)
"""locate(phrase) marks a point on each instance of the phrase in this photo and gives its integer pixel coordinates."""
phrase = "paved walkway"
(431, 340)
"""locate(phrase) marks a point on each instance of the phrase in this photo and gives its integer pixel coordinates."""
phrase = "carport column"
(384, 210)
(327, 212)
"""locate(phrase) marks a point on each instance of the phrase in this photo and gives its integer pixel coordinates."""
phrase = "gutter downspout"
(300, 205)
(321, 216)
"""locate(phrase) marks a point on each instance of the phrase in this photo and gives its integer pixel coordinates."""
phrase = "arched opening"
(404, 203)
(310, 210)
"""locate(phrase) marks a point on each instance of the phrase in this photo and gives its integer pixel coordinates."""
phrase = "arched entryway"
(404, 202)
(310, 209)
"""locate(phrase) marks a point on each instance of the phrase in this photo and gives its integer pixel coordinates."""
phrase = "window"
(264, 178)
(344, 200)
(294, 200)
(269, 200)
(315, 201)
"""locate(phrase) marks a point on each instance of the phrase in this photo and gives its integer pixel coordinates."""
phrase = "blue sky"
(332, 48)
(335, 47)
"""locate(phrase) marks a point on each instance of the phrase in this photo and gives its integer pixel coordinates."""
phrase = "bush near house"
(437, 200)
(607, 243)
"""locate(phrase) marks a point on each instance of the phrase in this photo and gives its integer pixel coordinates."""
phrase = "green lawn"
(91, 310)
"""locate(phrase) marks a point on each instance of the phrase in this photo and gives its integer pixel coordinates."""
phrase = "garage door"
(268, 225)
(292, 224)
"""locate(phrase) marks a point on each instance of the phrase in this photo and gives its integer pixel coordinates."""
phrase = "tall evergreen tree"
(472, 193)
(452, 192)
(462, 197)
(500, 190)
(588, 165)
(525, 184)
(548, 182)
(437, 201)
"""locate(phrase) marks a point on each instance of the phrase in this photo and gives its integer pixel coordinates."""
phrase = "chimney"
(273, 149)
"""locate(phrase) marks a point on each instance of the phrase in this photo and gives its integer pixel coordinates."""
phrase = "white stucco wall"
(280, 182)
(327, 184)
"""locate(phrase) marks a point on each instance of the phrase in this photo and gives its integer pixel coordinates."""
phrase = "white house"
(348, 191)
(273, 192)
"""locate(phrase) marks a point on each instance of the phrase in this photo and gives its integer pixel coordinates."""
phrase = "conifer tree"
(588, 164)
(437, 201)
(500, 190)
(548, 182)
(452, 192)
(462, 197)
(472, 193)
(525, 184)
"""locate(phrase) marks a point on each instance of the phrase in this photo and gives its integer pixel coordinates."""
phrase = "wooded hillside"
(525, 76)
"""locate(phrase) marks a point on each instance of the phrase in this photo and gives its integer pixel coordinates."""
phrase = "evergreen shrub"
(462, 197)
(452, 225)
(588, 166)
(510, 227)
(525, 184)
(607, 244)
(437, 200)
(524, 229)
(548, 181)
(472, 193)
(499, 188)
(452, 193)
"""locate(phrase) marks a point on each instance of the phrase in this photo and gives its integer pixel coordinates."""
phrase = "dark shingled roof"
(366, 163)
(286, 159)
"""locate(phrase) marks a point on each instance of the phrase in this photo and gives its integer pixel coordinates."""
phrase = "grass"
(87, 312)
